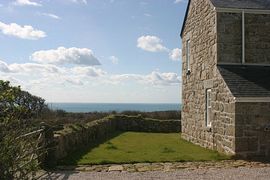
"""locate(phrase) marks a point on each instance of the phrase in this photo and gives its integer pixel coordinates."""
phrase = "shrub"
(17, 110)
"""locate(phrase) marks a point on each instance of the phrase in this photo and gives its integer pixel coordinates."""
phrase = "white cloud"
(176, 54)
(62, 55)
(1, 5)
(151, 44)
(47, 73)
(147, 15)
(79, 1)
(26, 3)
(154, 78)
(33, 68)
(23, 32)
(154, 44)
(84, 83)
(88, 71)
(158, 78)
(178, 1)
(42, 74)
(4, 67)
(13, 81)
(50, 15)
(114, 59)
(28, 68)
(118, 78)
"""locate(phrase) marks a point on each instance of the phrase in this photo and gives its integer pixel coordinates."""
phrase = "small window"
(188, 56)
(208, 108)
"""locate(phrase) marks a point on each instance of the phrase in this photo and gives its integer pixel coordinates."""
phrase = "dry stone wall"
(74, 137)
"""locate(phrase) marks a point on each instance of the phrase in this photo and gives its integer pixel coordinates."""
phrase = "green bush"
(17, 110)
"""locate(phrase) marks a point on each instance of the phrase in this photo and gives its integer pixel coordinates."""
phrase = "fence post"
(49, 159)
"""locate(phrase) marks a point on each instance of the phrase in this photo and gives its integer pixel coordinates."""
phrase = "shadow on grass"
(73, 157)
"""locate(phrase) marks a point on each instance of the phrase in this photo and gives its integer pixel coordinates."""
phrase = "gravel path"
(246, 173)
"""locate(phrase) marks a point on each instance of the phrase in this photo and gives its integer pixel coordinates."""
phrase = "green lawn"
(131, 147)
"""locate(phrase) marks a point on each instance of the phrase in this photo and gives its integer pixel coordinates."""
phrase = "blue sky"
(118, 51)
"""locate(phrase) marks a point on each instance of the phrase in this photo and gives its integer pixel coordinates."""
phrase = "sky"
(93, 51)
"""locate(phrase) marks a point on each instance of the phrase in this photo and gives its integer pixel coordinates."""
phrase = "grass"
(132, 147)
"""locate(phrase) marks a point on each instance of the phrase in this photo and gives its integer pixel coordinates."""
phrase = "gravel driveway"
(246, 173)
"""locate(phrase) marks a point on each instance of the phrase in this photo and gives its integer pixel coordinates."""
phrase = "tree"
(17, 110)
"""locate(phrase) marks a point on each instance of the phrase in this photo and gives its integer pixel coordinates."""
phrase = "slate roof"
(242, 4)
(247, 81)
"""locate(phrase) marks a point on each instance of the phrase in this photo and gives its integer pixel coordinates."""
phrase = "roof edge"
(246, 10)
(185, 18)
(186, 14)
(243, 64)
(252, 99)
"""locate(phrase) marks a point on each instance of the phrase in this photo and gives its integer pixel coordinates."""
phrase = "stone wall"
(138, 124)
(217, 38)
(257, 38)
(252, 127)
(229, 37)
(223, 117)
(200, 29)
(74, 137)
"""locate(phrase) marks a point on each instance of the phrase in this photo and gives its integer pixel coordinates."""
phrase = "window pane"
(208, 107)
(188, 54)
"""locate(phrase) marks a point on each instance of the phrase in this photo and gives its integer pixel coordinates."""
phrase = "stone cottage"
(226, 76)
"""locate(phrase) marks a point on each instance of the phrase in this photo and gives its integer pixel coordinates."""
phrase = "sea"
(109, 107)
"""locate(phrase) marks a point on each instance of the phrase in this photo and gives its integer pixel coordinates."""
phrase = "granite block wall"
(229, 37)
(252, 127)
(200, 29)
(257, 38)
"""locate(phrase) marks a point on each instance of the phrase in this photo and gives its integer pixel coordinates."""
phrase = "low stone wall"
(139, 124)
(73, 137)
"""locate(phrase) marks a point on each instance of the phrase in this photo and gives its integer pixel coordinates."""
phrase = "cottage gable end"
(225, 75)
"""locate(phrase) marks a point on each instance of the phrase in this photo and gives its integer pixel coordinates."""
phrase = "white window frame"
(208, 106)
(188, 56)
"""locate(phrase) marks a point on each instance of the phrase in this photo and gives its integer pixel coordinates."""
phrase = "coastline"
(117, 107)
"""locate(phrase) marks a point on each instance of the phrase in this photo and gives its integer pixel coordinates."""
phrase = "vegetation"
(161, 115)
(131, 147)
(21, 113)
(17, 111)
(61, 117)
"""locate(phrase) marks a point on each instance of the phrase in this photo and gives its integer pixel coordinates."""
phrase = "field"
(133, 147)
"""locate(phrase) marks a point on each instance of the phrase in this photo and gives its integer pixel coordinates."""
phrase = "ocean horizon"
(118, 107)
